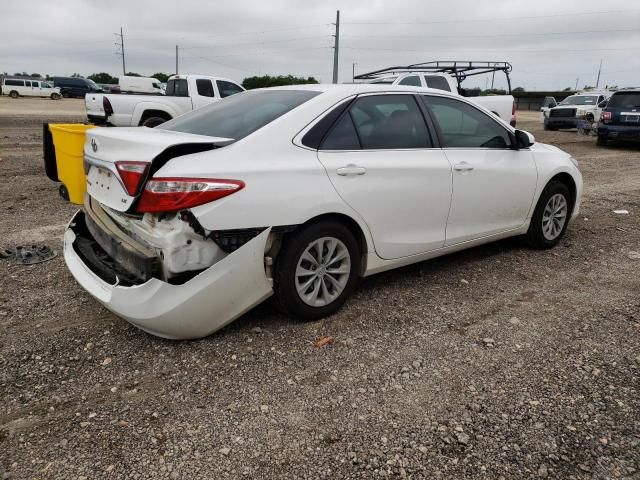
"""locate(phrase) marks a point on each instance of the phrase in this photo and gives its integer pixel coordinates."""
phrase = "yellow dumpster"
(68, 140)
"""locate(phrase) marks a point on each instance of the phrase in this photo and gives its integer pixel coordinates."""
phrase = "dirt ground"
(495, 363)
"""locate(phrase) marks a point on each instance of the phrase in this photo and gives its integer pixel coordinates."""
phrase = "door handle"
(350, 170)
(462, 167)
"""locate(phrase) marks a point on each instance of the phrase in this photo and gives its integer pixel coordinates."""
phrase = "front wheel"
(14, 94)
(551, 216)
(316, 270)
(55, 96)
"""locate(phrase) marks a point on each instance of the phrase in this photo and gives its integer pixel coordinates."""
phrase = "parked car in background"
(20, 87)
(184, 93)
(585, 106)
(620, 120)
(131, 84)
(75, 87)
(547, 104)
(297, 192)
(448, 76)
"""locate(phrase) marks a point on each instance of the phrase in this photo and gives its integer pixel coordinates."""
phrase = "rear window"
(239, 115)
(14, 83)
(625, 100)
(177, 88)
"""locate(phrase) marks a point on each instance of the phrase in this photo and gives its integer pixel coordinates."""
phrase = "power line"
(494, 35)
(494, 19)
(285, 40)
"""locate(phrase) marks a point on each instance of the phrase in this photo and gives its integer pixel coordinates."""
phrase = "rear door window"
(389, 122)
(205, 87)
(463, 126)
(14, 83)
(177, 88)
(227, 89)
(343, 136)
(435, 81)
(412, 80)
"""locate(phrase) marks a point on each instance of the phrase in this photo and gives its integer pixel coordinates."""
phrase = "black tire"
(13, 94)
(549, 128)
(64, 193)
(535, 236)
(153, 122)
(55, 96)
(65, 95)
(294, 245)
(601, 141)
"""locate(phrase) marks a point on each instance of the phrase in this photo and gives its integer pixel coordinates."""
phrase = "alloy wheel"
(322, 271)
(554, 216)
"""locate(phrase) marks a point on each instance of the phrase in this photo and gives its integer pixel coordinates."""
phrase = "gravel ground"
(495, 363)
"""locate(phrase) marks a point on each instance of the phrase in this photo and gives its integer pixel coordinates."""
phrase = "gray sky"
(549, 43)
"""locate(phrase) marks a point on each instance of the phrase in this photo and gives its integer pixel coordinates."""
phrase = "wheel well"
(153, 113)
(348, 222)
(568, 181)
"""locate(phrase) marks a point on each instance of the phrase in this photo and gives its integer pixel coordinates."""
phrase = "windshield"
(625, 100)
(579, 100)
(239, 115)
(93, 84)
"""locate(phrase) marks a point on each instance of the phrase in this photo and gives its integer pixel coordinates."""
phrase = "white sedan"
(298, 192)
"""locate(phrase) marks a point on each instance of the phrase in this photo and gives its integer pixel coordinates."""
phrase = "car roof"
(356, 88)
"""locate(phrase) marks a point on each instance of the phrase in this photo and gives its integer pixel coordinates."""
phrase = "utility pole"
(577, 80)
(336, 47)
(493, 78)
(121, 51)
(353, 72)
(176, 59)
(599, 70)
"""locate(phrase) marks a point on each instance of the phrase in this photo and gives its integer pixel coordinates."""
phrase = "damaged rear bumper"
(205, 303)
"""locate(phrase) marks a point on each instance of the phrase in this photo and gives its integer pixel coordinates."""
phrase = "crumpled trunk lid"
(106, 146)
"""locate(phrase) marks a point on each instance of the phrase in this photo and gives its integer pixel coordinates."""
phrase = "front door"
(379, 158)
(493, 184)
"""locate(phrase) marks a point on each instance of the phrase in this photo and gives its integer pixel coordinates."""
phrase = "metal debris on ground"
(323, 341)
(621, 212)
(29, 254)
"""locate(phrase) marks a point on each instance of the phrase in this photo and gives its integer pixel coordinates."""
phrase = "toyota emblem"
(94, 145)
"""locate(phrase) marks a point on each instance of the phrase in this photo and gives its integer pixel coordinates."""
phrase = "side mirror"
(524, 139)
(603, 104)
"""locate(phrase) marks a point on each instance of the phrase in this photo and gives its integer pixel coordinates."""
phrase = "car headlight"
(581, 113)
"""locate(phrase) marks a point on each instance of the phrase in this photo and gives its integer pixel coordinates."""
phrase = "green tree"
(103, 77)
(161, 77)
(568, 89)
(518, 89)
(76, 75)
(265, 81)
(133, 74)
(35, 75)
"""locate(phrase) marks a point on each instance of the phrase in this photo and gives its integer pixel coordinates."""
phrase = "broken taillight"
(174, 194)
(132, 174)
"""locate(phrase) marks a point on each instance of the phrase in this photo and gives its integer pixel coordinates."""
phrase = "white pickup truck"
(448, 76)
(184, 93)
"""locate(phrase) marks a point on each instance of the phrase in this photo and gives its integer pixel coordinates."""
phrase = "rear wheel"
(65, 95)
(152, 122)
(601, 141)
(14, 94)
(551, 216)
(64, 193)
(316, 270)
(549, 128)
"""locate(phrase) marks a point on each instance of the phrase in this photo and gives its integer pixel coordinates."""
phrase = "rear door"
(380, 158)
(204, 93)
(493, 184)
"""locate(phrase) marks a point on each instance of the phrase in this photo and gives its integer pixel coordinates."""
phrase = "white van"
(140, 85)
(18, 87)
